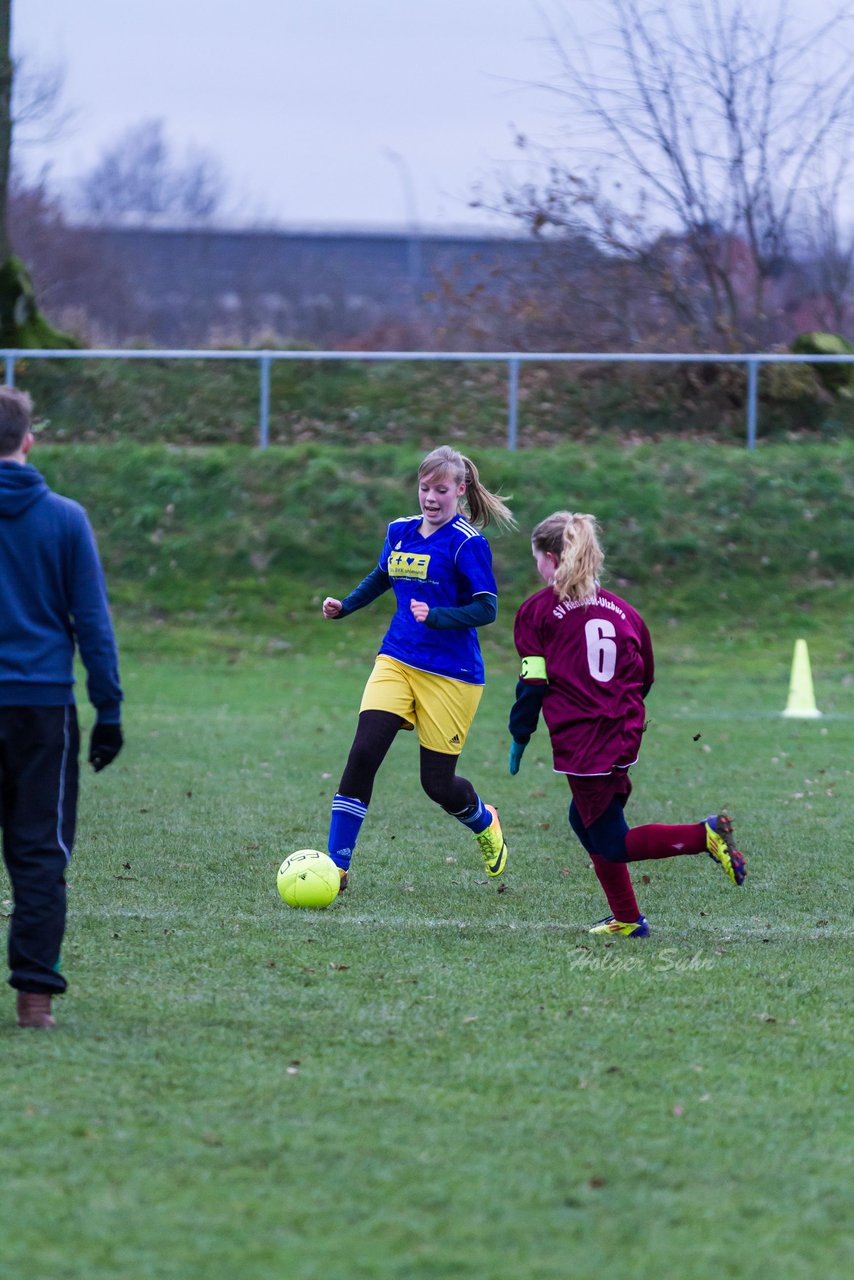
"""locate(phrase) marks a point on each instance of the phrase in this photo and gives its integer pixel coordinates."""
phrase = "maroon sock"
(617, 883)
(658, 841)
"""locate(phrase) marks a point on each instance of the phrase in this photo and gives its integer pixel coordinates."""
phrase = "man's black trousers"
(39, 772)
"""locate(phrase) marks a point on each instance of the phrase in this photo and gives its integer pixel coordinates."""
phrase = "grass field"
(440, 1077)
(223, 539)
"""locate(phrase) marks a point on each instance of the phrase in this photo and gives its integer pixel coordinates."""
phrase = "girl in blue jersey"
(428, 674)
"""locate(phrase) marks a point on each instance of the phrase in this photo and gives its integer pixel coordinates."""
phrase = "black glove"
(104, 745)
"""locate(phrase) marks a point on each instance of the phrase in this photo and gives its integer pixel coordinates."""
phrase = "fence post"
(513, 404)
(752, 396)
(264, 419)
(10, 371)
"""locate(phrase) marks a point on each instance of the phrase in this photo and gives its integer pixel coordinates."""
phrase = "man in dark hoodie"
(52, 596)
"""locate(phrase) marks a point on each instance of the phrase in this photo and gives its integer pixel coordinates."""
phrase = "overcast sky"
(320, 111)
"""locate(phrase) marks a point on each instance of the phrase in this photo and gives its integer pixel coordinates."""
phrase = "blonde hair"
(573, 537)
(483, 506)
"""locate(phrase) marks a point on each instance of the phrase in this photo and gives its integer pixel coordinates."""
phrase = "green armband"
(533, 669)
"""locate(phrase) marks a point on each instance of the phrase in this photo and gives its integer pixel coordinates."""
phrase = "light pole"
(413, 246)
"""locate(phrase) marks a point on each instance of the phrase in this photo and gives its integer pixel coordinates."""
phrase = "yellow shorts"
(442, 710)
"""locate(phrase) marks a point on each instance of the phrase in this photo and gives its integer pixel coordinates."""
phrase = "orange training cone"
(801, 703)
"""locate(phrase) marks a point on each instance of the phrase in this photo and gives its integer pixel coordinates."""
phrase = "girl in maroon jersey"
(587, 663)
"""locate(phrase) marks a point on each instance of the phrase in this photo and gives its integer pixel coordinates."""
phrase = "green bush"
(836, 378)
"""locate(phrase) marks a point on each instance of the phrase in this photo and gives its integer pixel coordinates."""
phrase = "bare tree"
(39, 110)
(6, 77)
(704, 127)
(141, 177)
(826, 245)
(21, 321)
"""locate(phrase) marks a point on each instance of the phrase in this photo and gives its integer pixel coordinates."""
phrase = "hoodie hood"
(20, 487)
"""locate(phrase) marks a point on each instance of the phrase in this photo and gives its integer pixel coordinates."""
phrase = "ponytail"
(483, 506)
(573, 538)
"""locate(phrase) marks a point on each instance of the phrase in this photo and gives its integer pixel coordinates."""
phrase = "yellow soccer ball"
(308, 878)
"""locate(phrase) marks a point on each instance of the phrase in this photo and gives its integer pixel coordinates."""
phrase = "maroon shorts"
(593, 795)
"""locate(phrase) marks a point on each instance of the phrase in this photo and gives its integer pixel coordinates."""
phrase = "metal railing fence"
(514, 361)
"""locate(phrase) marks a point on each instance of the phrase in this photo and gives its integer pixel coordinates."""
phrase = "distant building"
(194, 287)
(202, 286)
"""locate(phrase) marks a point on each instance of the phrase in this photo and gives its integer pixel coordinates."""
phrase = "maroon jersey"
(598, 666)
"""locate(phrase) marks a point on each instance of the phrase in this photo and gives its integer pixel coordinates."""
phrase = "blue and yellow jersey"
(447, 569)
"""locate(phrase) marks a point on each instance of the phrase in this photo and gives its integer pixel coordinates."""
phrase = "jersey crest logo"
(403, 564)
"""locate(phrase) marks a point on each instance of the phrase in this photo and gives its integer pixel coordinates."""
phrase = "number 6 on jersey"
(601, 649)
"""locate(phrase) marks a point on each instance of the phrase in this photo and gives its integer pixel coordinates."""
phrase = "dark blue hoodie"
(52, 593)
